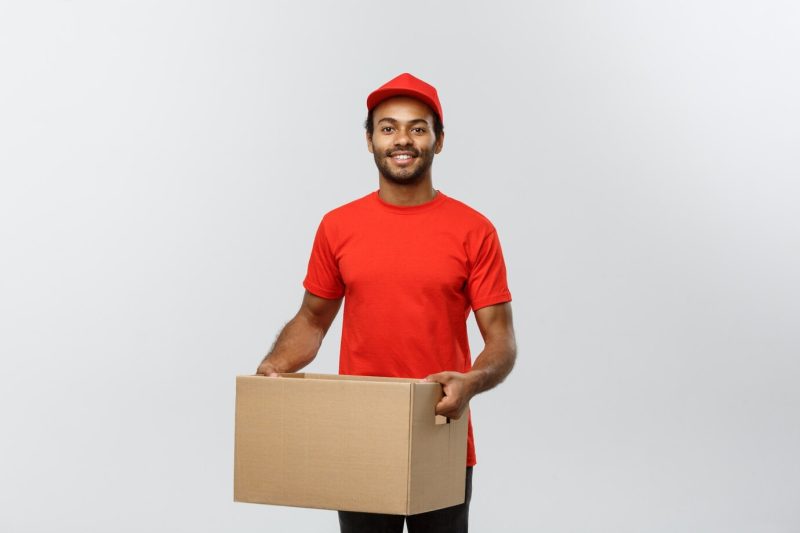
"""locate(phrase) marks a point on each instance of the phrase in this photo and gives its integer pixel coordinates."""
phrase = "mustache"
(411, 151)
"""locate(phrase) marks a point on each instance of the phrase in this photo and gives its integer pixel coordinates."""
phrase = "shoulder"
(349, 212)
(468, 217)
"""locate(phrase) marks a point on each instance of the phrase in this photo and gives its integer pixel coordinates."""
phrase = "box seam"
(410, 441)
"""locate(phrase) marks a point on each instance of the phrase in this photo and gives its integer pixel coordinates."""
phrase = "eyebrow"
(394, 121)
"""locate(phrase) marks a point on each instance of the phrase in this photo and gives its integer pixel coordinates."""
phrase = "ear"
(439, 144)
(369, 143)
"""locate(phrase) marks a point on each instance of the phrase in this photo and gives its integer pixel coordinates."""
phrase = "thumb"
(440, 377)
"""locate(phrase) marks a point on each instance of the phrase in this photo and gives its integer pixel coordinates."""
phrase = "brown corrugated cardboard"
(346, 442)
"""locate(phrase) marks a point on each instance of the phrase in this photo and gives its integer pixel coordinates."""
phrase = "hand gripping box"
(348, 443)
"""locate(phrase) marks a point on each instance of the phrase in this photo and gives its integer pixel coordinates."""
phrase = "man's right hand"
(267, 369)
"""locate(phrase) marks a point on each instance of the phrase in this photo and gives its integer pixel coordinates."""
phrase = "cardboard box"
(346, 442)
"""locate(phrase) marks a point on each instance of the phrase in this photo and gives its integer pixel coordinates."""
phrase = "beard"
(405, 176)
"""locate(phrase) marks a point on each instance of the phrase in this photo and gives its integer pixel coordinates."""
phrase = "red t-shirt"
(409, 277)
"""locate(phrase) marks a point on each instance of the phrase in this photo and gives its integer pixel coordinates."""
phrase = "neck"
(406, 195)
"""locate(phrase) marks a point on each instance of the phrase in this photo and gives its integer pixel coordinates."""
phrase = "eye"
(419, 131)
(387, 129)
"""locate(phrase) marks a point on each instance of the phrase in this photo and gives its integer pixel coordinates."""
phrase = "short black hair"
(438, 127)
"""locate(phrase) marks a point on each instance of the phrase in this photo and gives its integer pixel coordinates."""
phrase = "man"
(409, 263)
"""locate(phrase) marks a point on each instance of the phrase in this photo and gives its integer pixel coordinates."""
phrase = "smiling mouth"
(402, 158)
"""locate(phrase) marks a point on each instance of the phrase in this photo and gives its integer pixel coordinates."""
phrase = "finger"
(449, 413)
(445, 405)
(455, 415)
(455, 412)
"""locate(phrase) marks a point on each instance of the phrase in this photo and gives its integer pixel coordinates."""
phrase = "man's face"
(403, 142)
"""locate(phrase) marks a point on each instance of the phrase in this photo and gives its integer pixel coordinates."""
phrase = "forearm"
(493, 364)
(491, 367)
(296, 345)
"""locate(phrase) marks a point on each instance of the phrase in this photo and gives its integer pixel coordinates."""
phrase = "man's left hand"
(458, 389)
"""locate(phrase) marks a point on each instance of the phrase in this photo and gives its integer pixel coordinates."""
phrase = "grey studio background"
(164, 167)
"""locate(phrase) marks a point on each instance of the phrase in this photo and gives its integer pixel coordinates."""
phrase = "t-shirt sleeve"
(487, 283)
(323, 277)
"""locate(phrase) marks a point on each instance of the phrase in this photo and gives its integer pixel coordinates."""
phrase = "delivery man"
(410, 263)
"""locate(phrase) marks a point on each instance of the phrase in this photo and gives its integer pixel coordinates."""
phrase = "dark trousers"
(448, 520)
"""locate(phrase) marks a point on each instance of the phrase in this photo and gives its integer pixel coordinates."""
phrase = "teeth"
(402, 157)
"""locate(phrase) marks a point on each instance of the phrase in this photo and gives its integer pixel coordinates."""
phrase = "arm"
(299, 341)
(490, 368)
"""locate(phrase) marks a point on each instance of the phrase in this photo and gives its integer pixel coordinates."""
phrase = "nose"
(402, 138)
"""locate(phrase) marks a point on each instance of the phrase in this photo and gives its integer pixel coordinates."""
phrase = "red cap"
(406, 85)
